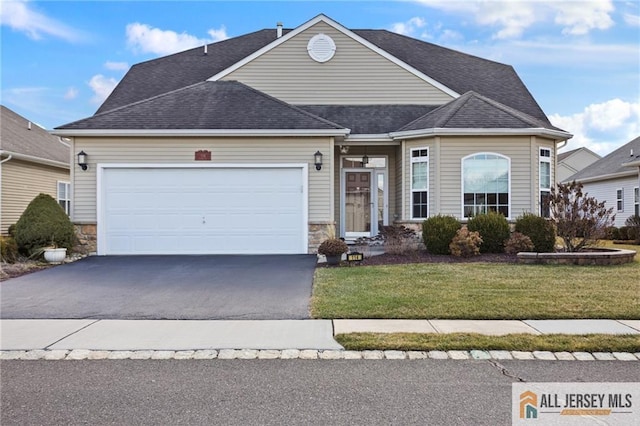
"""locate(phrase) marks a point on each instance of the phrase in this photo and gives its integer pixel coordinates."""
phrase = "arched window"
(485, 184)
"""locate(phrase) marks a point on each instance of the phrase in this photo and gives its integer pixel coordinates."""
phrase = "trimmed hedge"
(540, 230)
(437, 233)
(494, 230)
(42, 224)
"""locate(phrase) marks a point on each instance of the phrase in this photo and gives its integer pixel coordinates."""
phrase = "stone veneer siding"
(318, 232)
(87, 238)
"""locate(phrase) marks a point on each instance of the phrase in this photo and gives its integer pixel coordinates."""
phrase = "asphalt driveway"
(165, 287)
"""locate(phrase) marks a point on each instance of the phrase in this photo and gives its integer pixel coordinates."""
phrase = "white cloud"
(601, 127)
(146, 39)
(71, 93)
(579, 18)
(513, 18)
(20, 16)
(631, 19)
(116, 66)
(102, 87)
(409, 27)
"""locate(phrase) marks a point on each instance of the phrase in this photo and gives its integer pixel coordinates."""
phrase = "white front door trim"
(100, 188)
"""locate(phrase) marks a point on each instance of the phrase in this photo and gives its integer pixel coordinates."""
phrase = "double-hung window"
(545, 181)
(485, 184)
(620, 200)
(636, 201)
(64, 196)
(420, 183)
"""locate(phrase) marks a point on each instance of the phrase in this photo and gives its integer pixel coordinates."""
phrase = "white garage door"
(202, 211)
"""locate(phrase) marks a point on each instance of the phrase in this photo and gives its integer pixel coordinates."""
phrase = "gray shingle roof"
(612, 163)
(369, 119)
(472, 110)
(459, 71)
(219, 105)
(15, 137)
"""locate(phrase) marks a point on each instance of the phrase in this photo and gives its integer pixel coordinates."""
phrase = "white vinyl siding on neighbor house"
(356, 75)
(223, 151)
(606, 191)
(21, 182)
(419, 183)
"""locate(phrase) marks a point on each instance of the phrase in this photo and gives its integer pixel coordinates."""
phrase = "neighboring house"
(571, 162)
(268, 142)
(615, 179)
(32, 161)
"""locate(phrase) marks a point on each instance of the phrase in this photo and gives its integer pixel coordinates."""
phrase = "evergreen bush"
(540, 230)
(43, 223)
(494, 230)
(437, 233)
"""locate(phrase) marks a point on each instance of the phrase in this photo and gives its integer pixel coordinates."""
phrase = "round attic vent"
(321, 48)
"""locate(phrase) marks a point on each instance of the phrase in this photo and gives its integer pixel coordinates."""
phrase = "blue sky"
(580, 59)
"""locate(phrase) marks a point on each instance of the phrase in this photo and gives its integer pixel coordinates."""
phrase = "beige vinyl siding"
(445, 164)
(372, 151)
(355, 75)
(21, 182)
(223, 151)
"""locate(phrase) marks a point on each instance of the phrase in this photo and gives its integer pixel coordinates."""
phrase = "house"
(32, 161)
(615, 179)
(271, 141)
(571, 162)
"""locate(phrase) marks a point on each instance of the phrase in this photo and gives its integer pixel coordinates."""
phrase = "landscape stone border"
(308, 354)
(597, 256)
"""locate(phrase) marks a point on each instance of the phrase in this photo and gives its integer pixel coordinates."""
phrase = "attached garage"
(193, 209)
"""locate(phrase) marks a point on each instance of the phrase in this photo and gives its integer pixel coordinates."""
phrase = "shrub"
(42, 224)
(399, 239)
(539, 230)
(494, 230)
(333, 247)
(8, 250)
(633, 233)
(612, 233)
(580, 220)
(518, 242)
(12, 230)
(437, 233)
(465, 243)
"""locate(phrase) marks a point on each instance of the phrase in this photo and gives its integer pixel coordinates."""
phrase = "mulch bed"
(424, 257)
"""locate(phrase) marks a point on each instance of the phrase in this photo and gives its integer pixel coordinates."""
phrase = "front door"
(358, 203)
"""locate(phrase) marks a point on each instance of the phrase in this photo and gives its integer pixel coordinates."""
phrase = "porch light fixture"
(82, 160)
(365, 160)
(317, 159)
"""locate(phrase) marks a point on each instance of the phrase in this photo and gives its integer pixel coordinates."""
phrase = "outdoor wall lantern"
(365, 160)
(82, 160)
(317, 158)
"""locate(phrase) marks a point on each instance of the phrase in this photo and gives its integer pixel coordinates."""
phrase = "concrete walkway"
(181, 335)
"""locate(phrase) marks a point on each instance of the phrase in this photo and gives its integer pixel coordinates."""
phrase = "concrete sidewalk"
(177, 335)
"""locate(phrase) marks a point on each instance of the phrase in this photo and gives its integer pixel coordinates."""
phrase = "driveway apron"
(165, 287)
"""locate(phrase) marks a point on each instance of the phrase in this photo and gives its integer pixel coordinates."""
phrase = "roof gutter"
(200, 132)
(439, 131)
(608, 176)
(7, 159)
(33, 159)
(635, 163)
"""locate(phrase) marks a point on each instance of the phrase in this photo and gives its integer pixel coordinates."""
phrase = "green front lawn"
(478, 291)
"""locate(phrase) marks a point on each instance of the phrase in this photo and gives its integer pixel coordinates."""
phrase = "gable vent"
(321, 48)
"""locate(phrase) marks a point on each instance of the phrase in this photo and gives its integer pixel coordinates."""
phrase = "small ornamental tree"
(580, 220)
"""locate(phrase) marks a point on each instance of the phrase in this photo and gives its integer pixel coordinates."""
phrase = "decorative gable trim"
(348, 33)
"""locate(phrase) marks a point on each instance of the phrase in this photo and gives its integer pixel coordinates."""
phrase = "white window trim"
(636, 200)
(67, 198)
(620, 201)
(412, 190)
(462, 181)
(544, 160)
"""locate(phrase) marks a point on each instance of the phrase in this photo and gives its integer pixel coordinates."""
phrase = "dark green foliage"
(8, 249)
(494, 230)
(437, 233)
(612, 233)
(42, 224)
(11, 230)
(633, 233)
(540, 230)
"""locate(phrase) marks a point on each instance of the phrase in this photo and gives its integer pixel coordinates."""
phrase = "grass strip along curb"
(473, 341)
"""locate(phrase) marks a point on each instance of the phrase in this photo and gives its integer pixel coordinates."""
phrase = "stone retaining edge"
(248, 354)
